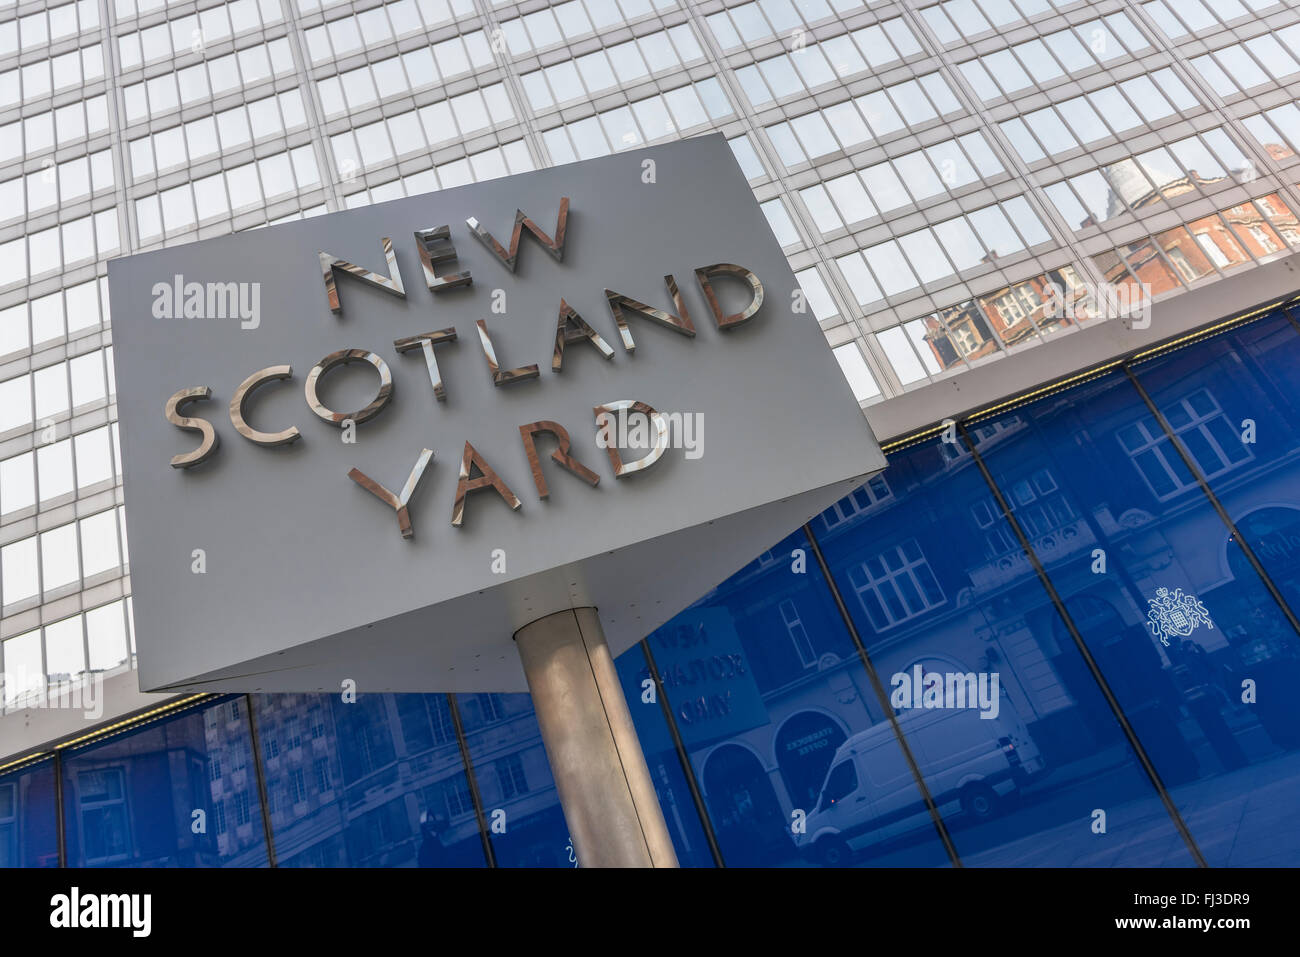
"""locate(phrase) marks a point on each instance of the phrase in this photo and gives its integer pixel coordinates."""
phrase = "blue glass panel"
(377, 782)
(28, 824)
(766, 686)
(661, 758)
(1011, 734)
(1143, 569)
(131, 800)
(525, 822)
(1235, 401)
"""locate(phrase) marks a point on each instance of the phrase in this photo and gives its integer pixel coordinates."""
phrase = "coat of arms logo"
(1175, 614)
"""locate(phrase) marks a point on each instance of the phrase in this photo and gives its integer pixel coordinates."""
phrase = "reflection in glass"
(1046, 303)
(1164, 173)
(1287, 119)
(768, 691)
(1129, 182)
(1268, 136)
(1252, 230)
(1201, 165)
(525, 822)
(1184, 254)
(942, 340)
(661, 755)
(1180, 680)
(377, 782)
(1230, 154)
(1281, 216)
(1102, 202)
(130, 800)
(28, 825)
(1217, 242)
(1068, 205)
(939, 588)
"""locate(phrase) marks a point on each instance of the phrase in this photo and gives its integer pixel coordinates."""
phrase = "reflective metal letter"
(238, 408)
(398, 502)
(680, 322)
(426, 341)
(392, 283)
(342, 357)
(581, 332)
(561, 455)
(436, 249)
(465, 485)
(211, 440)
(611, 448)
(510, 257)
(738, 272)
(500, 377)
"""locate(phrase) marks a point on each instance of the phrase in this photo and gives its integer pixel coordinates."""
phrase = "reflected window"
(867, 496)
(103, 814)
(896, 585)
(1198, 421)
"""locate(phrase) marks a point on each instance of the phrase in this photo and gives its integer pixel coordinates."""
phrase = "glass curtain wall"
(1063, 634)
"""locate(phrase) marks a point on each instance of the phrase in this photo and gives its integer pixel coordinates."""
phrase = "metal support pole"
(600, 771)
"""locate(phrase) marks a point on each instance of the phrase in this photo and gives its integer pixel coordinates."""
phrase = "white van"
(869, 795)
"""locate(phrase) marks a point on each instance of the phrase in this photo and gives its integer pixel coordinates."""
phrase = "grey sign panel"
(268, 567)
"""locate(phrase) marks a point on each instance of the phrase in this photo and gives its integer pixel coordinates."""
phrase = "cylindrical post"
(600, 772)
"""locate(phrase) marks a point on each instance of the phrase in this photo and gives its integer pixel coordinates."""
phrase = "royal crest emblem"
(1175, 614)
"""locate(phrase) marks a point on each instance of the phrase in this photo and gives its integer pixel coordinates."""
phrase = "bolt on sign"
(373, 444)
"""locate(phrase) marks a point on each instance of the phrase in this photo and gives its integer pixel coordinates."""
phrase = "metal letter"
(342, 357)
(211, 440)
(436, 249)
(398, 502)
(562, 456)
(426, 341)
(738, 272)
(580, 333)
(238, 408)
(510, 257)
(611, 448)
(392, 283)
(680, 322)
(500, 377)
(465, 485)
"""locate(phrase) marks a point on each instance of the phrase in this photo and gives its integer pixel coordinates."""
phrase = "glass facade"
(1112, 568)
(952, 182)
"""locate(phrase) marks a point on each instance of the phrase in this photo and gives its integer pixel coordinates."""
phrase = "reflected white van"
(969, 764)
